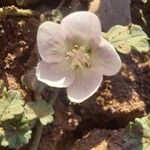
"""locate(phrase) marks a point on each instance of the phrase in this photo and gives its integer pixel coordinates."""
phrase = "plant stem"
(54, 97)
(39, 126)
(37, 137)
(61, 4)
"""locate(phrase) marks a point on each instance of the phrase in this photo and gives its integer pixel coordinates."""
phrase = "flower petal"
(86, 83)
(50, 42)
(106, 58)
(80, 26)
(54, 74)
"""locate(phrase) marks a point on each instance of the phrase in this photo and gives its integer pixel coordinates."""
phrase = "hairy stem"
(61, 4)
(39, 126)
(54, 96)
(37, 137)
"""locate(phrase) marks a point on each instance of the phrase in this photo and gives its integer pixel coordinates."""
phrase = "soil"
(103, 140)
(96, 124)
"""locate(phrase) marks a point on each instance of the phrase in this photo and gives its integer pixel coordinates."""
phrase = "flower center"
(78, 57)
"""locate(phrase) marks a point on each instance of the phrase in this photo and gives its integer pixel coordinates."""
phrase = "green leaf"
(137, 134)
(56, 15)
(15, 132)
(125, 38)
(39, 110)
(11, 104)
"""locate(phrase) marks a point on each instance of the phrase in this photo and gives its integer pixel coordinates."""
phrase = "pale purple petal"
(105, 57)
(86, 83)
(81, 27)
(55, 74)
(50, 42)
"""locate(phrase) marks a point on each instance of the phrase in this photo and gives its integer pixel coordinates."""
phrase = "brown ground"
(103, 140)
(95, 124)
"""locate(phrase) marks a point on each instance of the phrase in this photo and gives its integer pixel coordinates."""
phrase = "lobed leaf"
(39, 109)
(11, 104)
(137, 134)
(125, 38)
(15, 132)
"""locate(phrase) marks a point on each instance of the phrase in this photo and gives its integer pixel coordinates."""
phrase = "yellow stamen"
(78, 57)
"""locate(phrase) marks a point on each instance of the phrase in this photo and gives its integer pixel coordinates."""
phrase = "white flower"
(75, 56)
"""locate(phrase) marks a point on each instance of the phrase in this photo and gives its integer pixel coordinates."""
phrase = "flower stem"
(54, 97)
(37, 137)
(61, 4)
(39, 126)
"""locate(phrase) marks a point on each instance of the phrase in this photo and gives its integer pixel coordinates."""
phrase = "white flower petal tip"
(114, 62)
(50, 42)
(54, 74)
(85, 85)
(106, 58)
(82, 24)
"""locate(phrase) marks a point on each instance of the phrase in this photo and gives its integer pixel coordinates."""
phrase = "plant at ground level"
(125, 38)
(17, 118)
(39, 110)
(15, 132)
(137, 134)
(11, 104)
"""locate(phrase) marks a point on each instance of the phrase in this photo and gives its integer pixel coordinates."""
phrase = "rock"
(113, 12)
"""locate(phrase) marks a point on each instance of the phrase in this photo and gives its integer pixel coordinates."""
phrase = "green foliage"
(11, 104)
(125, 38)
(15, 118)
(137, 134)
(39, 110)
(15, 132)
